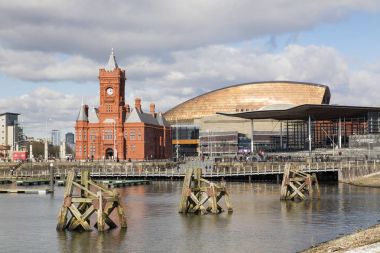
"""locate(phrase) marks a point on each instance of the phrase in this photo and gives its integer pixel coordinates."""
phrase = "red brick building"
(116, 131)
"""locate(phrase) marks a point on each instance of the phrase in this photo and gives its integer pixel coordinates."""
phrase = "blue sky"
(50, 52)
(356, 37)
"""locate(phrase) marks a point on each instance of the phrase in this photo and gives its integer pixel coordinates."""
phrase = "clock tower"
(114, 130)
(112, 91)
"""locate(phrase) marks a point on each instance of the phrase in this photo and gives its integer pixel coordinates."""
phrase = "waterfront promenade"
(343, 170)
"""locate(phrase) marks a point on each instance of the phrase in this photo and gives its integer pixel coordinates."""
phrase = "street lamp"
(369, 149)
(46, 154)
(176, 138)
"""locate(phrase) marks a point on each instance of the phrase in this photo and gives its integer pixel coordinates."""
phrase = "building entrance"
(109, 153)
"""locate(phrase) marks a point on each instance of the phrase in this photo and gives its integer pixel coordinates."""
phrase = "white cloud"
(148, 27)
(193, 72)
(42, 104)
(173, 50)
(44, 66)
(213, 67)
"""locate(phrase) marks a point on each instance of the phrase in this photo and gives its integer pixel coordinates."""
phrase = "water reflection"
(260, 221)
(91, 241)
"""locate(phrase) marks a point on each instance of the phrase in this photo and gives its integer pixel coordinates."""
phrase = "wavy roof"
(249, 96)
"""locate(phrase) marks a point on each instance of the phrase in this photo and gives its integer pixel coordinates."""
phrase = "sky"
(51, 51)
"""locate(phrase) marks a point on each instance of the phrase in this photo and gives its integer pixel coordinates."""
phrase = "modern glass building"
(200, 113)
(70, 138)
(55, 137)
(185, 139)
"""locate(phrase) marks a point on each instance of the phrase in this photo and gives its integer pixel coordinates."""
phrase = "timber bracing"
(80, 202)
(201, 196)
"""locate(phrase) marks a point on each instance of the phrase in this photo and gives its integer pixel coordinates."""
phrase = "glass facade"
(184, 132)
(185, 140)
(218, 143)
(373, 122)
(221, 144)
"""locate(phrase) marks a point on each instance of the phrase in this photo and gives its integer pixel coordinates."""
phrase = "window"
(108, 108)
(126, 134)
(107, 134)
(93, 135)
(132, 135)
(92, 150)
(139, 135)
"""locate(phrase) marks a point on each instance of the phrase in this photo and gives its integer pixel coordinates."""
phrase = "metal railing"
(348, 169)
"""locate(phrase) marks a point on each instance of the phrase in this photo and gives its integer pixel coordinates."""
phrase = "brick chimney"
(138, 104)
(152, 108)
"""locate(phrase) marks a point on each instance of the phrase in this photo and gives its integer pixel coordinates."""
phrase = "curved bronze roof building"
(248, 97)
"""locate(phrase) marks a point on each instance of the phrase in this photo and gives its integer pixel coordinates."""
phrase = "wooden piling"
(297, 184)
(82, 206)
(51, 170)
(201, 196)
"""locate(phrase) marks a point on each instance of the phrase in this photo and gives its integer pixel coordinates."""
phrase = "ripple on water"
(260, 222)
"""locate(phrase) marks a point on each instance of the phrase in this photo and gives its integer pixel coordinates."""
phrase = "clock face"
(109, 91)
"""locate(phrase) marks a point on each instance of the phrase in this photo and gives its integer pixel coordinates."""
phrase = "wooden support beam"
(84, 216)
(201, 196)
(297, 184)
(62, 217)
(100, 217)
(75, 212)
(83, 206)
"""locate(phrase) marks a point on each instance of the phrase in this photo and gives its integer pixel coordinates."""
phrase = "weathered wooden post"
(81, 207)
(51, 170)
(201, 196)
(297, 184)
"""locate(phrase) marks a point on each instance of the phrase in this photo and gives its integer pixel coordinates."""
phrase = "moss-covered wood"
(200, 196)
(298, 185)
(82, 200)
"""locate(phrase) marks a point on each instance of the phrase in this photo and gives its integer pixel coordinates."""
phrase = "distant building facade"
(70, 143)
(9, 134)
(200, 112)
(70, 138)
(55, 137)
(114, 130)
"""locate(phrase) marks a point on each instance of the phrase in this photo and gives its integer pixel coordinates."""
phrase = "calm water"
(260, 222)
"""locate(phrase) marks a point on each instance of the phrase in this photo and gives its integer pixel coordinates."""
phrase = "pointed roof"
(112, 64)
(93, 115)
(82, 116)
(139, 117)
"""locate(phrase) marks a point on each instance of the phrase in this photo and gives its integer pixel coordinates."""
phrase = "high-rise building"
(114, 130)
(70, 142)
(9, 133)
(55, 137)
(70, 139)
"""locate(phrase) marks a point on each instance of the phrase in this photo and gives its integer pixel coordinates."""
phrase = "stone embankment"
(367, 240)
(372, 180)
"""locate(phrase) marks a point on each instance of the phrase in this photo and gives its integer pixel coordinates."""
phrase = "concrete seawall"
(363, 171)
